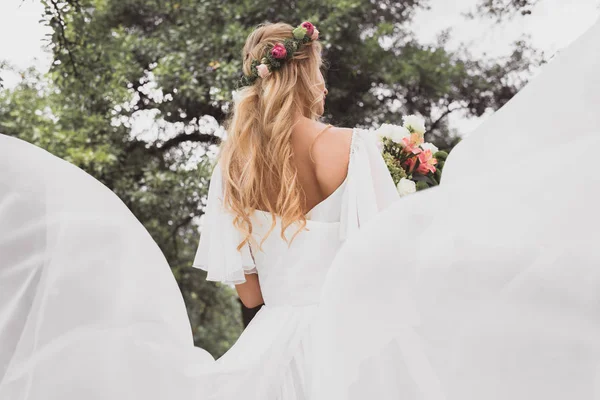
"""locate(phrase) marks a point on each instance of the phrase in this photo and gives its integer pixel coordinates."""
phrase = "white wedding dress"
(486, 287)
(79, 320)
(274, 356)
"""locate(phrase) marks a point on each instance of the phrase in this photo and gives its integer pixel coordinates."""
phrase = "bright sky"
(21, 35)
(553, 25)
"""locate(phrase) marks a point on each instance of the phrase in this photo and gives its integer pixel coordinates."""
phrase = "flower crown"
(279, 53)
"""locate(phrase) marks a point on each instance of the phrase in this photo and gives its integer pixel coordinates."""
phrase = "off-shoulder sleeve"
(370, 186)
(217, 252)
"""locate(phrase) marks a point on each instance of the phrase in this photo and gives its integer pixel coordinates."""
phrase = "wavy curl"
(257, 157)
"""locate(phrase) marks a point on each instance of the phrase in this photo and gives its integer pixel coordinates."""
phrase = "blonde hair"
(257, 157)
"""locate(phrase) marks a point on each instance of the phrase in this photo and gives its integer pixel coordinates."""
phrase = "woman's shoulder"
(333, 145)
(331, 153)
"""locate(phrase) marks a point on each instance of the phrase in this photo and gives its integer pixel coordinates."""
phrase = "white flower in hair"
(263, 70)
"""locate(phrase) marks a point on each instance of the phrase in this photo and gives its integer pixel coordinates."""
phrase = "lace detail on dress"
(353, 142)
(353, 147)
(251, 270)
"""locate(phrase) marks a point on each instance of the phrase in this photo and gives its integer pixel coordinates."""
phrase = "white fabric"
(217, 251)
(370, 187)
(486, 287)
(91, 310)
(367, 188)
(88, 306)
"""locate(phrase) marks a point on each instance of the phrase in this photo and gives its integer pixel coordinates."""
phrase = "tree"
(177, 61)
(502, 9)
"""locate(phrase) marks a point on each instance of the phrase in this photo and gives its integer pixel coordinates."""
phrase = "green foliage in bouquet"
(394, 167)
(422, 185)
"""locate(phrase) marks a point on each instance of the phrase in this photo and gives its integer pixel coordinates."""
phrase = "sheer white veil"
(88, 305)
(488, 286)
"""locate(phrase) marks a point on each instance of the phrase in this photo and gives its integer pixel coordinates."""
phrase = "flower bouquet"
(413, 163)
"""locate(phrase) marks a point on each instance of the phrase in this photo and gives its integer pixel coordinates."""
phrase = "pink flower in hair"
(278, 51)
(263, 70)
(315, 34)
(309, 28)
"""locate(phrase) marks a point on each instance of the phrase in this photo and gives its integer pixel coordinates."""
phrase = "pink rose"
(410, 164)
(278, 51)
(263, 70)
(315, 34)
(423, 169)
(427, 163)
(309, 28)
(410, 146)
(416, 138)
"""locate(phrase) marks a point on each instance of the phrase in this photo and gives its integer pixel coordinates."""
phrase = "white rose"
(416, 123)
(385, 131)
(406, 186)
(393, 132)
(429, 146)
(399, 133)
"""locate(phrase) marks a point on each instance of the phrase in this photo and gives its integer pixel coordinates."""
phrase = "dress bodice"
(293, 274)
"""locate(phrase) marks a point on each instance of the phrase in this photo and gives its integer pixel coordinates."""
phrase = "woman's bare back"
(321, 152)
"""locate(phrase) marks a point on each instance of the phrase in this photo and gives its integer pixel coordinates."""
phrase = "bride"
(283, 197)
(466, 291)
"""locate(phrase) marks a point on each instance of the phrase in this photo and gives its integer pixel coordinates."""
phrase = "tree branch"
(63, 41)
(181, 138)
(180, 225)
(444, 115)
(501, 9)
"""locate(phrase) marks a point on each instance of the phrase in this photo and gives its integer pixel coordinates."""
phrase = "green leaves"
(422, 185)
(394, 167)
(441, 156)
(503, 9)
(290, 47)
(299, 32)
